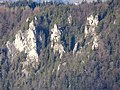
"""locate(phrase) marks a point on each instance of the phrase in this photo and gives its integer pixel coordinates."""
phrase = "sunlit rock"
(55, 41)
(75, 48)
(58, 67)
(69, 19)
(28, 19)
(90, 27)
(20, 41)
(114, 22)
(25, 43)
(91, 24)
(95, 43)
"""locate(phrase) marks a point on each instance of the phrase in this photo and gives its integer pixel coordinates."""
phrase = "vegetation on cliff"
(96, 69)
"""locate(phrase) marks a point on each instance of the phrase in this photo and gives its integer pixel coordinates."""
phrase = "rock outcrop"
(69, 19)
(95, 43)
(25, 42)
(75, 48)
(90, 27)
(55, 41)
(91, 24)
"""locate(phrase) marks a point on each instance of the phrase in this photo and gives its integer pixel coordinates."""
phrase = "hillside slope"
(60, 47)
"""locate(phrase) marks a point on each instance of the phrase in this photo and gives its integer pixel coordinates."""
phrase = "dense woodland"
(101, 71)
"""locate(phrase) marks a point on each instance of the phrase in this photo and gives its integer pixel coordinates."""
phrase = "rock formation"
(95, 43)
(75, 48)
(91, 24)
(69, 19)
(90, 27)
(55, 41)
(25, 42)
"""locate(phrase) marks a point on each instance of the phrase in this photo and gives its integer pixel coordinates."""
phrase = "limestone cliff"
(90, 30)
(25, 42)
(90, 35)
(55, 41)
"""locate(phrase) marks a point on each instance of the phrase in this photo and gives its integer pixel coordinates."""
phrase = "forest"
(84, 69)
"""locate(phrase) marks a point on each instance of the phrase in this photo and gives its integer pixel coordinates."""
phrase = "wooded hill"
(87, 69)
